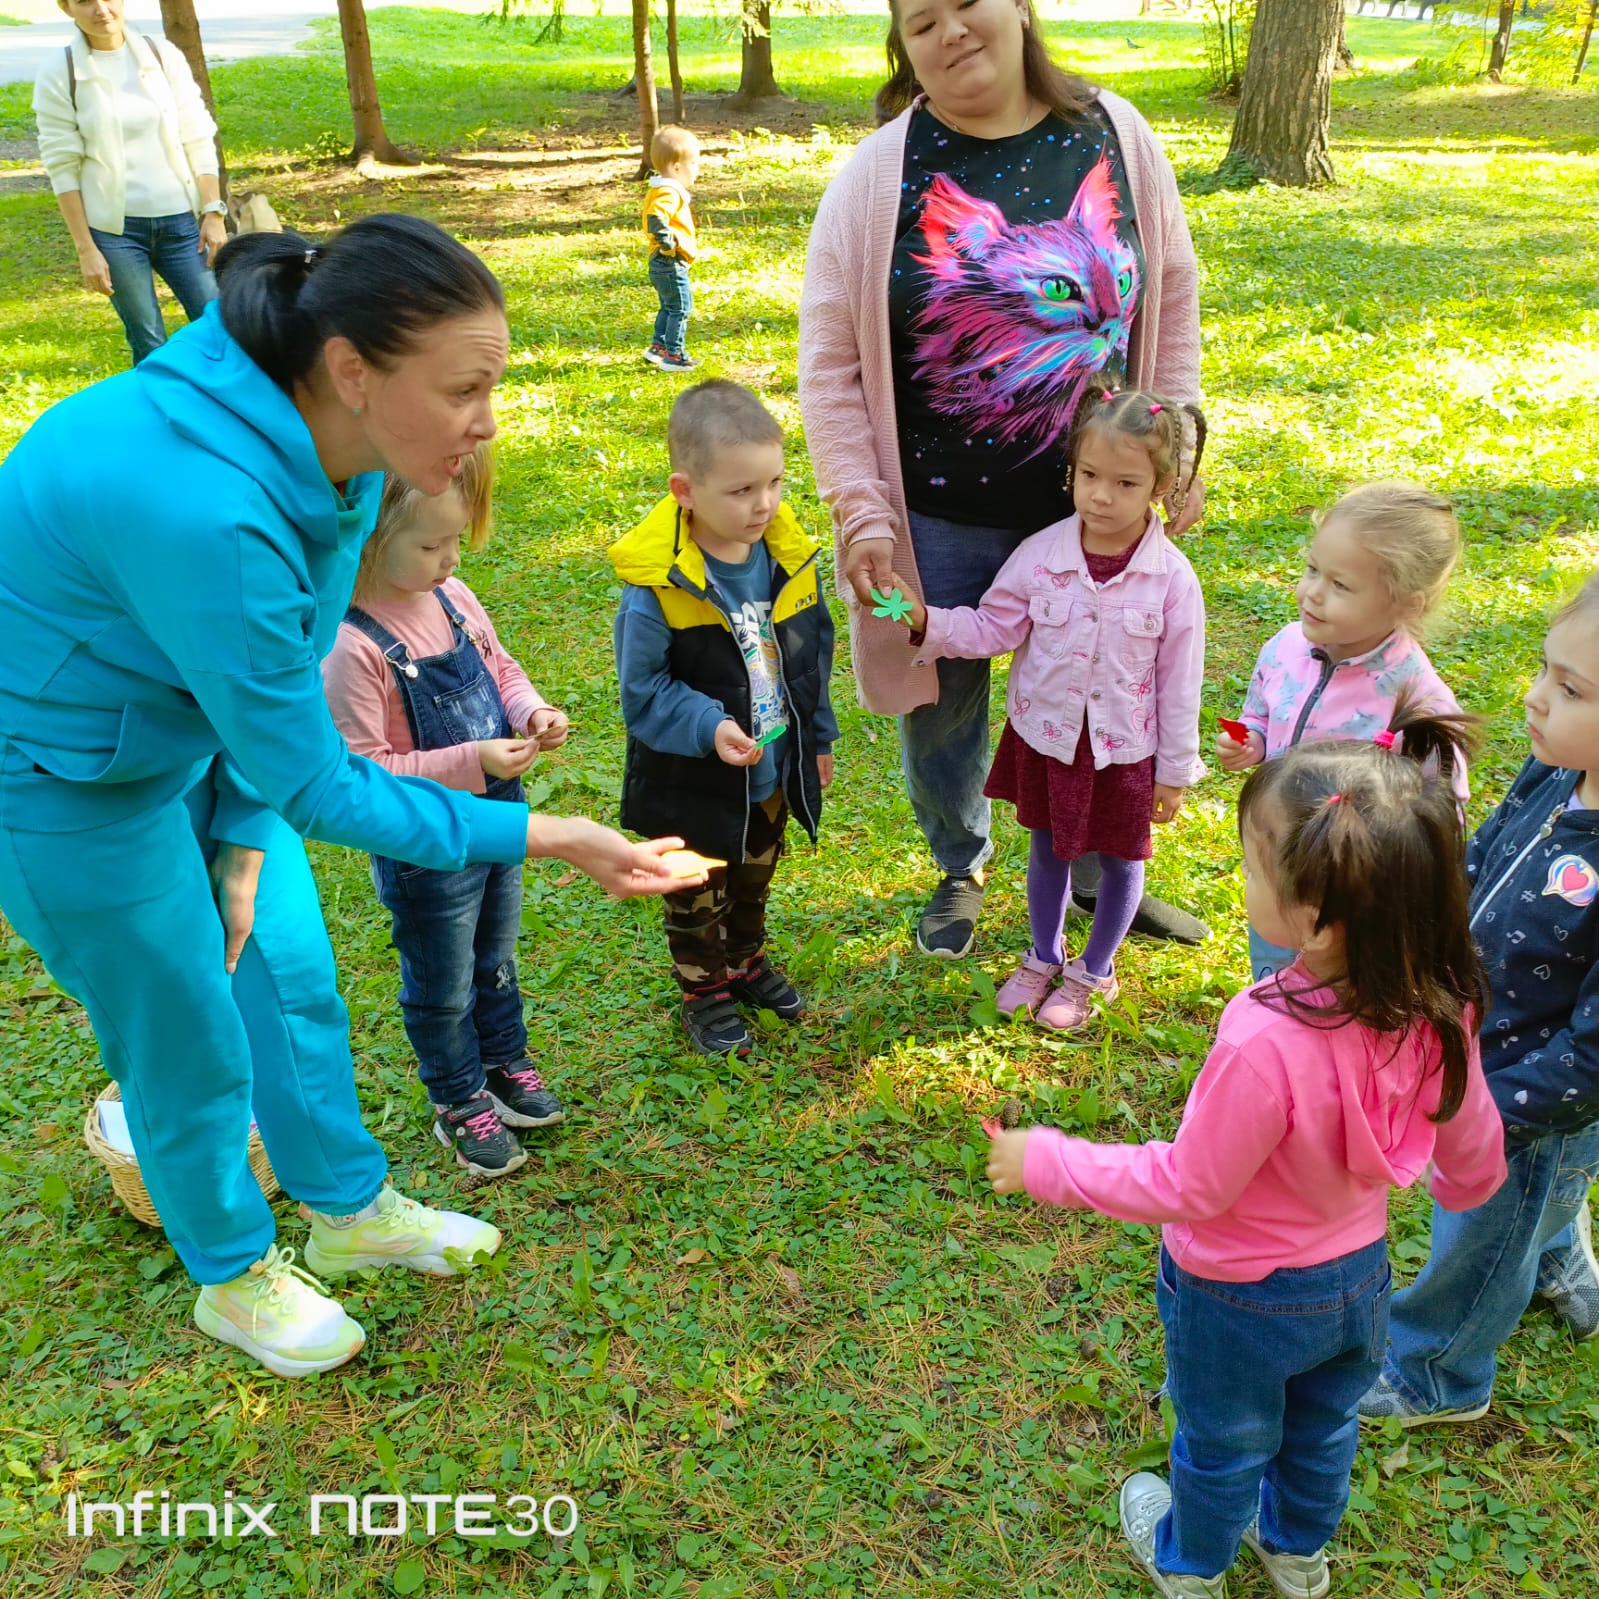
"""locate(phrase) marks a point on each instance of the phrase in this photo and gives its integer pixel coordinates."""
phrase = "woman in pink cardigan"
(1011, 235)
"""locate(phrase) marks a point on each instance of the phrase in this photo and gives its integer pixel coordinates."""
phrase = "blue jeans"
(147, 245)
(945, 746)
(1484, 1267)
(462, 1004)
(1265, 1378)
(1266, 958)
(676, 294)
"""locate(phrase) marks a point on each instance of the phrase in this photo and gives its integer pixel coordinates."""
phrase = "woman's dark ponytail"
(381, 283)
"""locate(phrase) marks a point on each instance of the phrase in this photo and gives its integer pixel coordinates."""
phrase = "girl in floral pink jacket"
(1107, 623)
(1379, 562)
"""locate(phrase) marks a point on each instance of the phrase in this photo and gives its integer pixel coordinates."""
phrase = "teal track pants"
(123, 916)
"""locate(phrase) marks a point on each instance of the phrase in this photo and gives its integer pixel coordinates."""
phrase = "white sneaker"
(279, 1314)
(1145, 1498)
(1296, 1576)
(401, 1233)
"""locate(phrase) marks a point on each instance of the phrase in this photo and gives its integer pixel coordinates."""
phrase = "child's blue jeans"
(1265, 1378)
(1484, 1267)
(676, 294)
(459, 995)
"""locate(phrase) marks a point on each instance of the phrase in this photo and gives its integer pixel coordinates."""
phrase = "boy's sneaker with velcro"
(1296, 1576)
(713, 1023)
(396, 1231)
(520, 1097)
(478, 1136)
(677, 363)
(279, 1315)
(1573, 1292)
(655, 354)
(1383, 1402)
(761, 984)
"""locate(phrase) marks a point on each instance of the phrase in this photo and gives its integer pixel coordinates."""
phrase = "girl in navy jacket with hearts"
(1534, 866)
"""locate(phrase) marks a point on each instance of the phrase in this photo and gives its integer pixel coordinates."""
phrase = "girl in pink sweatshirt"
(1346, 1073)
(418, 681)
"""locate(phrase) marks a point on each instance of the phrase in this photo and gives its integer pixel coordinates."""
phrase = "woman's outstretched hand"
(621, 867)
(235, 872)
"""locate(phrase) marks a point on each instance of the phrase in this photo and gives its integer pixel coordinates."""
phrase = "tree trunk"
(1587, 39)
(649, 116)
(1346, 56)
(372, 141)
(755, 80)
(182, 28)
(1501, 46)
(672, 62)
(1285, 103)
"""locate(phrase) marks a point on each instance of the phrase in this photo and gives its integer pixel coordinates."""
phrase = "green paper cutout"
(770, 736)
(893, 605)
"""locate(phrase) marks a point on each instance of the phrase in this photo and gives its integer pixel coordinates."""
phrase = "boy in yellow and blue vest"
(674, 244)
(723, 649)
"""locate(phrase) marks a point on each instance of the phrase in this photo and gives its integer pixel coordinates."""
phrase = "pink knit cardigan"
(846, 380)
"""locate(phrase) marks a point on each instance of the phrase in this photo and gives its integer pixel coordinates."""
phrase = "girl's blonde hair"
(1585, 602)
(399, 507)
(1410, 530)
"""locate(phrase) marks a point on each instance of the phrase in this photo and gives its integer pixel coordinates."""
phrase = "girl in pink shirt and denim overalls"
(1378, 564)
(1328, 1083)
(1102, 737)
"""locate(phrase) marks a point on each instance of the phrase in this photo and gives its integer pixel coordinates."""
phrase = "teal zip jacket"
(173, 566)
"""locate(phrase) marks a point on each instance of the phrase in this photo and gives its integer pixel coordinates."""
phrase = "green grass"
(763, 1321)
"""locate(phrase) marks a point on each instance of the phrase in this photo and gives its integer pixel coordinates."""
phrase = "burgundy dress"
(1107, 811)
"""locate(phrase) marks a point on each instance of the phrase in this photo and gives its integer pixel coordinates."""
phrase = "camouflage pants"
(723, 924)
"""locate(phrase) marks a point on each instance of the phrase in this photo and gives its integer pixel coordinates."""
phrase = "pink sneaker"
(1025, 988)
(1068, 1007)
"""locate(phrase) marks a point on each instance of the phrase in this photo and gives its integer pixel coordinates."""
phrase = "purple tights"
(1049, 881)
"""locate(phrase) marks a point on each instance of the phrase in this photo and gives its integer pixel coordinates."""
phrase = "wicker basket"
(124, 1169)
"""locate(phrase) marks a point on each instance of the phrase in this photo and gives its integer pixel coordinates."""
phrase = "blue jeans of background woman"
(1265, 1378)
(147, 245)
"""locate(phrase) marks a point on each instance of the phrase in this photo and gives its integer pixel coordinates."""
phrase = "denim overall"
(455, 931)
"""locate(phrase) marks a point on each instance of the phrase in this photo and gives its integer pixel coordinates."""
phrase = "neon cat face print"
(1017, 319)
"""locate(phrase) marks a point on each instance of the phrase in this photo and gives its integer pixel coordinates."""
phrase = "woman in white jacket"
(128, 144)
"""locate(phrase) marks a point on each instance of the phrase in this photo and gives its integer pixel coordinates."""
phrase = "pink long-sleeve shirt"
(846, 368)
(1125, 657)
(365, 699)
(1291, 1138)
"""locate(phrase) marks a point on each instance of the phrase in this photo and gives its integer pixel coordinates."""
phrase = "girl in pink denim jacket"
(1378, 564)
(1102, 734)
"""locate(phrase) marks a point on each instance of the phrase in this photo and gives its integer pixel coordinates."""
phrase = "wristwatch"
(214, 208)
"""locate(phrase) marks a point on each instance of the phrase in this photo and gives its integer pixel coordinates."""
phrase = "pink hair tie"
(1155, 410)
(1333, 799)
(1383, 740)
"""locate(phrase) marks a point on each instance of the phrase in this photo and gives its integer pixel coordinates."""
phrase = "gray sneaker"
(1296, 1576)
(1573, 1292)
(1145, 1498)
(1382, 1401)
(949, 923)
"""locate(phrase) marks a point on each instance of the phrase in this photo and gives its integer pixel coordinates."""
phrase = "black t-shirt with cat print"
(1015, 278)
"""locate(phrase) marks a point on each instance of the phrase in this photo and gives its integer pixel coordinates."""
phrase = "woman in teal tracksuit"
(177, 548)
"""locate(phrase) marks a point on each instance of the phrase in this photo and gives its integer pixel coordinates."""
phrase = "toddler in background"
(674, 246)
(419, 682)
(1353, 1070)
(1378, 564)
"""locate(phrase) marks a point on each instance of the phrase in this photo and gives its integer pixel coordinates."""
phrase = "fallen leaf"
(565, 878)
(1397, 1461)
(692, 1258)
(790, 1279)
